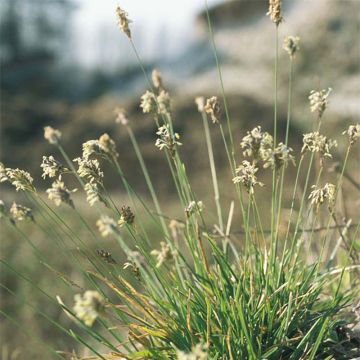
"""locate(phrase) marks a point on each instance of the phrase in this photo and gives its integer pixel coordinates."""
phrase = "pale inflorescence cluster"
(246, 175)
(51, 167)
(353, 132)
(89, 306)
(106, 225)
(278, 157)
(316, 143)
(90, 170)
(157, 80)
(20, 213)
(256, 143)
(291, 45)
(259, 146)
(52, 135)
(156, 104)
(59, 193)
(123, 21)
(21, 179)
(104, 147)
(121, 117)
(319, 101)
(212, 108)
(163, 255)
(321, 194)
(275, 11)
(194, 207)
(166, 139)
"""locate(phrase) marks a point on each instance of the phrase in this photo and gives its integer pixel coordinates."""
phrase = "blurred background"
(66, 64)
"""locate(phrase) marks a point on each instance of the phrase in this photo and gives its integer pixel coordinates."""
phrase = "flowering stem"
(147, 178)
(221, 81)
(213, 170)
(274, 239)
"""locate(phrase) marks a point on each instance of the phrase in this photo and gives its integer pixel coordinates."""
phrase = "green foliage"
(203, 292)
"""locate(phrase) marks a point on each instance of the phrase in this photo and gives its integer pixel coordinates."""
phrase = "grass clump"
(202, 292)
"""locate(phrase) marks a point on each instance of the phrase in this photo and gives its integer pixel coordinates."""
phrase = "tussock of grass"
(190, 289)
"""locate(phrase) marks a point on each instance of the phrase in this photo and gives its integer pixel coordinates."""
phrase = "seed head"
(51, 167)
(156, 78)
(106, 225)
(52, 135)
(164, 255)
(90, 170)
(353, 132)
(166, 139)
(93, 194)
(278, 157)
(314, 142)
(194, 207)
(256, 143)
(121, 117)
(123, 21)
(319, 195)
(59, 193)
(163, 103)
(291, 45)
(148, 103)
(108, 145)
(20, 179)
(91, 147)
(21, 213)
(319, 101)
(275, 12)
(89, 306)
(126, 216)
(104, 147)
(246, 175)
(212, 108)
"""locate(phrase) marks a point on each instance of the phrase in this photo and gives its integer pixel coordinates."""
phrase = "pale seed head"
(212, 108)
(59, 193)
(21, 179)
(291, 45)
(89, 306)
(106, 225)
(123, 21)
(21, 213)
(319, 101)
(353, 132)
(157, 80)
(51, 167)
(148, 103)
(121, 117)
(52, 135)
(163, 255)
(246, 175)
(275, 11)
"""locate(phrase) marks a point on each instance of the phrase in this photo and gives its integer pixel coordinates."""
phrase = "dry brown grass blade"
(137, 305)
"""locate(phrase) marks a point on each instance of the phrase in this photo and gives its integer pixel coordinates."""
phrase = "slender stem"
(212, 38)
(213, 170)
